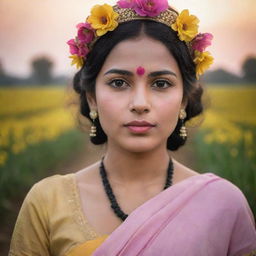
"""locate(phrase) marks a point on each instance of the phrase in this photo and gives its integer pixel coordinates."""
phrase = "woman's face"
(139, 81)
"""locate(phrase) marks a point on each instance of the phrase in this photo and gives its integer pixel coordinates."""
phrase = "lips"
(139, 123)
(139, 126)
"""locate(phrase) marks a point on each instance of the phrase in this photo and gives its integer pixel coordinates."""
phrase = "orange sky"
(41, 27)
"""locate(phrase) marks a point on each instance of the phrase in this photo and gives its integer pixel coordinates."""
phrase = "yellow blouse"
(51, 221)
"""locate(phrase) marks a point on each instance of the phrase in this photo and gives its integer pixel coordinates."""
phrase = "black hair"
(85, 79)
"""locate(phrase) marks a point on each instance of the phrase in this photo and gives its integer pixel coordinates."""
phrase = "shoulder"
(50, 189)
(54, 179)
(227, 190)
(53, 182)
(217, 189)
(50, 199)
(236, 213)
(227, 196)
(217, 186)
(228, 214)
(49, 210)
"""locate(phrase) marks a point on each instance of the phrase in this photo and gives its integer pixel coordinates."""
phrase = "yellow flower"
(203, 60)
(3, 157)
(186, 25)
(77, 60)
(103, 19)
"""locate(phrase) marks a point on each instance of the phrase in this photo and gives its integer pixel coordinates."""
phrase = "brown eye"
(117, 83)
(162, 84)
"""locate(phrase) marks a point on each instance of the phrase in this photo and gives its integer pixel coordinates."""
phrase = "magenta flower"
(77, 48)
(85, 32)
(83, 50)
(150, 7)
(73, 48)
(126, 3)
(201, 41)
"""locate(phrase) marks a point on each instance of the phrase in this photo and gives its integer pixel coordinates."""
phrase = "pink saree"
(203, 215)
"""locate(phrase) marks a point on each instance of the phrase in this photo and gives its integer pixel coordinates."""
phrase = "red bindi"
(140, 71)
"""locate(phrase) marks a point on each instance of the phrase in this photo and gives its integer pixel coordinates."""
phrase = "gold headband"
(168, 17)
(105, 18)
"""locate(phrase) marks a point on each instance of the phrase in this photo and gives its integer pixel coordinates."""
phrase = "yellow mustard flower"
(103, 19)
(3, 157)
(76, 60)
(186, 25)
(203, 60)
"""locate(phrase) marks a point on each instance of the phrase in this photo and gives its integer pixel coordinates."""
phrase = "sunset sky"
(32, 28)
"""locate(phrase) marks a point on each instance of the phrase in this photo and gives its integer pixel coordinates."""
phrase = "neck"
(135, 168)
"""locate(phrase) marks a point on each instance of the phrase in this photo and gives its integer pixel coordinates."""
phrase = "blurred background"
(39, 131)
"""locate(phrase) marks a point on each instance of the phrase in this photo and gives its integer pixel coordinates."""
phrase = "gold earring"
(183, 131)
(93, 115)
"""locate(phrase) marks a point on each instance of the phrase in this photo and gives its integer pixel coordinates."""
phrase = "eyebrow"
(128, 73)
(162, 72)
(119, 71)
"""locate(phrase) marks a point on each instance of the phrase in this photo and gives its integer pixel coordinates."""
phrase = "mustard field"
(230, 117)
(29, 116)
(37, 134)
(225, 141)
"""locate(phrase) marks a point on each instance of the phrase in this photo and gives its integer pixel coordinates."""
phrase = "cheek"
(109, 108)
(168, 110)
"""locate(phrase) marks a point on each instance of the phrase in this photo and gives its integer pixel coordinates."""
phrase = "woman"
(139, 62)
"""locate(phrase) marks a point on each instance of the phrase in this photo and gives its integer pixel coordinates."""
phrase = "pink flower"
(85, 32)
(150, 7)
(83, 50)
(126, 3)
(77, 48)
(73, 49)
(201, 41)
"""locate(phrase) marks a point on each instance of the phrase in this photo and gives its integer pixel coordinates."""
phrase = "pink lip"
(139, 126)
(139, 123)
(139, 129)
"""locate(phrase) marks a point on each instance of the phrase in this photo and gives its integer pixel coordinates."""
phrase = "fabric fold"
(185, 219)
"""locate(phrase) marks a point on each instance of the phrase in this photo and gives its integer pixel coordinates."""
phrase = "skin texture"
(136, 163)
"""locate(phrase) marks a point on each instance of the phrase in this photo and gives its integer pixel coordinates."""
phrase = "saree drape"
(203, 215)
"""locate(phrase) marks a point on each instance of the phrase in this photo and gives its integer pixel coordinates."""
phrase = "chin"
(140, 144)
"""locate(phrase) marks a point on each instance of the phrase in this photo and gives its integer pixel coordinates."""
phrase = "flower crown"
(104, 18)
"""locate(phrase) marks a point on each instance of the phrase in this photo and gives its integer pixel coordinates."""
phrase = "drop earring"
(183, 131)
(93, 114)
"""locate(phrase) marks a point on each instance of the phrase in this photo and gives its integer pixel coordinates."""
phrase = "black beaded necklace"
(113, 202)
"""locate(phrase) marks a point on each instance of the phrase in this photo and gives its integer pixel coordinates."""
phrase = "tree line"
(223, 76)
(42, 74)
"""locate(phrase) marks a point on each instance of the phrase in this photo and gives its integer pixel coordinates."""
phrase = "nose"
(140, 101)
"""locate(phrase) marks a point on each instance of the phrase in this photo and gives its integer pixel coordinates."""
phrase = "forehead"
(143, 51)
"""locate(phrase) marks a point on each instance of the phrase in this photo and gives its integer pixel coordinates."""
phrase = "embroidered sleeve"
(30, 235)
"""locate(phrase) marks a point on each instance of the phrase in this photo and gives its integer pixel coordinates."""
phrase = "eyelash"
(160, 80)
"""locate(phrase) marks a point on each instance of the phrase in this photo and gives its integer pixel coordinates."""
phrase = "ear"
(91, 99)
